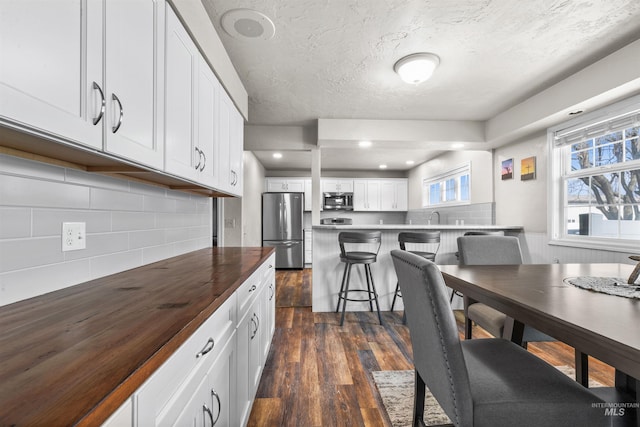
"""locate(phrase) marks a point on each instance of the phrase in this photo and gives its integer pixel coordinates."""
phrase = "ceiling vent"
(247, 24)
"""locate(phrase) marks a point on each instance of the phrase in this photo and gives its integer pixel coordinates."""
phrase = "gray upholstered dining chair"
(489, 382)
(491, 250)
(496, 250)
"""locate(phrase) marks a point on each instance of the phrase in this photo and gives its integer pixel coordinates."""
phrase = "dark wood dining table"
(604, 326)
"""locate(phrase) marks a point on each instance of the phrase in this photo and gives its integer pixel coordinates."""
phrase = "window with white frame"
(449, 188)
(596, 178)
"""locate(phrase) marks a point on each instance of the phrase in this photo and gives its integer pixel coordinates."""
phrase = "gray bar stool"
(431, 237)
(358, 257)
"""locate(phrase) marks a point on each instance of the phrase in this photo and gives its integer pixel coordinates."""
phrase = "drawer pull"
(214, 394)
(115, 128)
(253, 288)
(207, 411)
(96, 120)
(207, 348)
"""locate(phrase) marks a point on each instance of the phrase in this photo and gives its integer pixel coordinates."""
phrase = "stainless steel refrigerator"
(282, 227)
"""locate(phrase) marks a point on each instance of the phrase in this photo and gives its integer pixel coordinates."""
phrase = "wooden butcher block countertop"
(74, 356)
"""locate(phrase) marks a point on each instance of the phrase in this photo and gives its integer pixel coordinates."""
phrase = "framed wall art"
(507, 169)
(528, 169)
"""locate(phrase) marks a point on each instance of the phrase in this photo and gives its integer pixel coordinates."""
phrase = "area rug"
(396, 390)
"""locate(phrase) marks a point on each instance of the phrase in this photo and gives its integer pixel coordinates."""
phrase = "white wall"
(128, 224)
(253, 181)
(522, 202)
(481, 175)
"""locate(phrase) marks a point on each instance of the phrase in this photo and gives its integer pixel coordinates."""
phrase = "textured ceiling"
(334, 58)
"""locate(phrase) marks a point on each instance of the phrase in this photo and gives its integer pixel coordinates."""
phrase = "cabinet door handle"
(199, 157)
(207, 411)
(256, 322)
(115, 128)
(207, 348)
(272, 292)
(214, 394)
(204, 160)
(103, 103)
(253, 288)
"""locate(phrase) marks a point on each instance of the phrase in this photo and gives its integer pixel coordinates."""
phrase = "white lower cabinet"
(249, 356)
(212, 402)
(212, 379)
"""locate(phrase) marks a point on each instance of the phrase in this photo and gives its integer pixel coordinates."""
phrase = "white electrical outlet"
(74, 236)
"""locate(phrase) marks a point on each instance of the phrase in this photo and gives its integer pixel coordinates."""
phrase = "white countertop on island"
(465, 227)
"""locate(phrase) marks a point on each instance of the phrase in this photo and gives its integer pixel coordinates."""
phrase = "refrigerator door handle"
(286, 221)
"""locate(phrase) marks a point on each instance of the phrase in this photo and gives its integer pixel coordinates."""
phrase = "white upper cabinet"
(366, 195)
(284, 185)
(394, 195)
(191, 96)
(134, 58)
(52, 81)
(51, 68)
(337, 185)
(207, 154)
(180, 104)
(231, 140)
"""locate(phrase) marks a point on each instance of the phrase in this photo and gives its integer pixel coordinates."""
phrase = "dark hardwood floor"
(319, 373)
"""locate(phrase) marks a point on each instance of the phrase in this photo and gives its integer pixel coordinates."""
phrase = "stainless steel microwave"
(338, 201)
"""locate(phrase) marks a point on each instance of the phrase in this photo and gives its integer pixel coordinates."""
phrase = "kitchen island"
(74, 356)
(327, 268)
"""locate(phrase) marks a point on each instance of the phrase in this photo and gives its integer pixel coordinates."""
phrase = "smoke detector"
(247, 24)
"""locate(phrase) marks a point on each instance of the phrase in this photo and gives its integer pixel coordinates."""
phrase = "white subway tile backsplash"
(115, 200)
(24, 253)
(148, 189)
(115, 263)
(156, 253)
(129, 224)
(142, 239)
(96, 180)
(157, 204)
(171, 220)
(127, 221)
(22, 284)
(48, 222)
(19, 191)
(101, 244)
(15, 222)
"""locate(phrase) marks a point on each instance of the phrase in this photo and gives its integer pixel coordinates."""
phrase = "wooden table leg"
(582, 368)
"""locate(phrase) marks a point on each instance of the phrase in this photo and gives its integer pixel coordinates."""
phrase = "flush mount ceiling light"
(247, 24)
(364, 144)
(277, 155)
(416, 68)
(383, 166)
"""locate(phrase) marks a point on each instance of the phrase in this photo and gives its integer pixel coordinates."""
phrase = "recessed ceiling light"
(409, 162)
(247, 24)
(457, 145)
(383, 166)
(277, 155)
(364, 144)
(416, 68)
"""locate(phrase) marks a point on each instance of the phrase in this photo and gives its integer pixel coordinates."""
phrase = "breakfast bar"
(327, 268)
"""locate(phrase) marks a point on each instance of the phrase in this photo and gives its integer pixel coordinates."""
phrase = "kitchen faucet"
(431, 216)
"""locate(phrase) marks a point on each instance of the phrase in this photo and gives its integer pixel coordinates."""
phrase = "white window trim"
(555, 224)
(464, 169)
